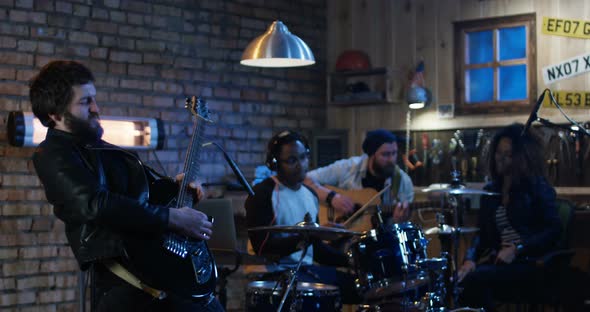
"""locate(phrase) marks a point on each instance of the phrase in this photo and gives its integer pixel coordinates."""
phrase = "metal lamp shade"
(418, 97)
(277, 47)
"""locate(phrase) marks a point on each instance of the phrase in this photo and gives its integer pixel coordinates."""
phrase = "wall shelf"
(361, 87)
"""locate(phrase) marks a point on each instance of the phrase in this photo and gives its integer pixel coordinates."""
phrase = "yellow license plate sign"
(566, 27)
(569, 99)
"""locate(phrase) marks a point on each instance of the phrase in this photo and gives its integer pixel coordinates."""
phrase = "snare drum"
(382, 257)
(261, 296)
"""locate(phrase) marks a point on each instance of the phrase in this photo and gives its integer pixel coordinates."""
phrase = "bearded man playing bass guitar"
(375, 169)
(100, 192)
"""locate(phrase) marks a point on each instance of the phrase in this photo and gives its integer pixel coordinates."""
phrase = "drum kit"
(391, 267)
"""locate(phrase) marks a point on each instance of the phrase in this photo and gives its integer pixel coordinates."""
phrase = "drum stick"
(366, 206)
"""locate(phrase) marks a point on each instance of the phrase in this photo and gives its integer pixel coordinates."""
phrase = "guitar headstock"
(197, 107)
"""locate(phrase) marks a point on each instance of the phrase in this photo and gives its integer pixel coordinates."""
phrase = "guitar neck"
(363, 196)
(388, 209)
(192, 164)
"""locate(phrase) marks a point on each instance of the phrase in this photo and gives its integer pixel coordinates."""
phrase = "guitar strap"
(115, 266)
(127, 276)
(395, 182)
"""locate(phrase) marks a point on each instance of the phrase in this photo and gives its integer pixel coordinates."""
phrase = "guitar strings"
(196, 138)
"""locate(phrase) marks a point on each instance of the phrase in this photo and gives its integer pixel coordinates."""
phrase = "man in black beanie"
(375, 169)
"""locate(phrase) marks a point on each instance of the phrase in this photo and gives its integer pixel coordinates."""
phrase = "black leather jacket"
(97, 215)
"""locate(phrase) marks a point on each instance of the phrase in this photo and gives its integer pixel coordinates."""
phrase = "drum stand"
(433, 300)
(293, 273)
(453, 289)
(450, 250)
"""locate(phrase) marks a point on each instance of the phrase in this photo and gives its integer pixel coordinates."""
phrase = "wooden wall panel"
(571, 47)
(443, 69)
(339, 34)
(426, 37)
(405, 36)
(423, 29)
(383, 55)
(470, 9)
(546, 51)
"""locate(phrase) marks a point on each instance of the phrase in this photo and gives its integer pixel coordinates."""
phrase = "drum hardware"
(433, 300)
(445, 229)
(262, 296)
(459, 191)
(293, 275)
(411, 268)
(383, 257)
(385, 263)
(308, 230)
(449, 234)
(368, 308)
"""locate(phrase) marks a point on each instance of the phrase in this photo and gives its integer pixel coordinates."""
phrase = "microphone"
(533, 115)
(235, 169)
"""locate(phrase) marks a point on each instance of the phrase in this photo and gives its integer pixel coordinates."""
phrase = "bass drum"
(261, 296)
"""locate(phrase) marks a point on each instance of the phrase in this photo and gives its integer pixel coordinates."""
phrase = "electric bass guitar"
(172, 262)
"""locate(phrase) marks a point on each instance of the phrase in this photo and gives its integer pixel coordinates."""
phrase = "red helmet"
(353, 60)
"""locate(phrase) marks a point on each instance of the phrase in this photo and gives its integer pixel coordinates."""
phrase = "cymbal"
(312, 230)
(459, 191)
(447, 229)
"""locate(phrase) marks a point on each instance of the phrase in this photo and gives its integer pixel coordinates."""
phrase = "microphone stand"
(234, 167)
(533, 117)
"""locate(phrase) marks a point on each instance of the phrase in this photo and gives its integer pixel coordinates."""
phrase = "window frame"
(494, 23)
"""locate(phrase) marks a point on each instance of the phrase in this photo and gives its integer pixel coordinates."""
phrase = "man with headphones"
(283, 199)
(376, 168)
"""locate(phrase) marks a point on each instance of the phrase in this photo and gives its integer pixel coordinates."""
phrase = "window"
(495, 67)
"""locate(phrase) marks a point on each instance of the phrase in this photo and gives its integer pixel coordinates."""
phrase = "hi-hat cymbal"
(447, 230)
(459, 191)
(312, 230)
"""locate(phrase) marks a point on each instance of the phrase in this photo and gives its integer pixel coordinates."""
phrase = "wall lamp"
(418, 97)
(25, 130)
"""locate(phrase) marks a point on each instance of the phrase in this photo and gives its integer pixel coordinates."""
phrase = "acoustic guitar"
(172, 262)
(361, 197)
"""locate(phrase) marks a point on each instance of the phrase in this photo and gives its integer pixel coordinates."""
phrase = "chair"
(224, 243)
(558, 262)
(551, 290)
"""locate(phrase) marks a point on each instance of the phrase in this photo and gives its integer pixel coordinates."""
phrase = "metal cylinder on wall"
(24, 130)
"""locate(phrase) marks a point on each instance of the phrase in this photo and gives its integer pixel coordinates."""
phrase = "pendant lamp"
(277, 47)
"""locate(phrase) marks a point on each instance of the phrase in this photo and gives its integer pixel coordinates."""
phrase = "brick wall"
(147, 56)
